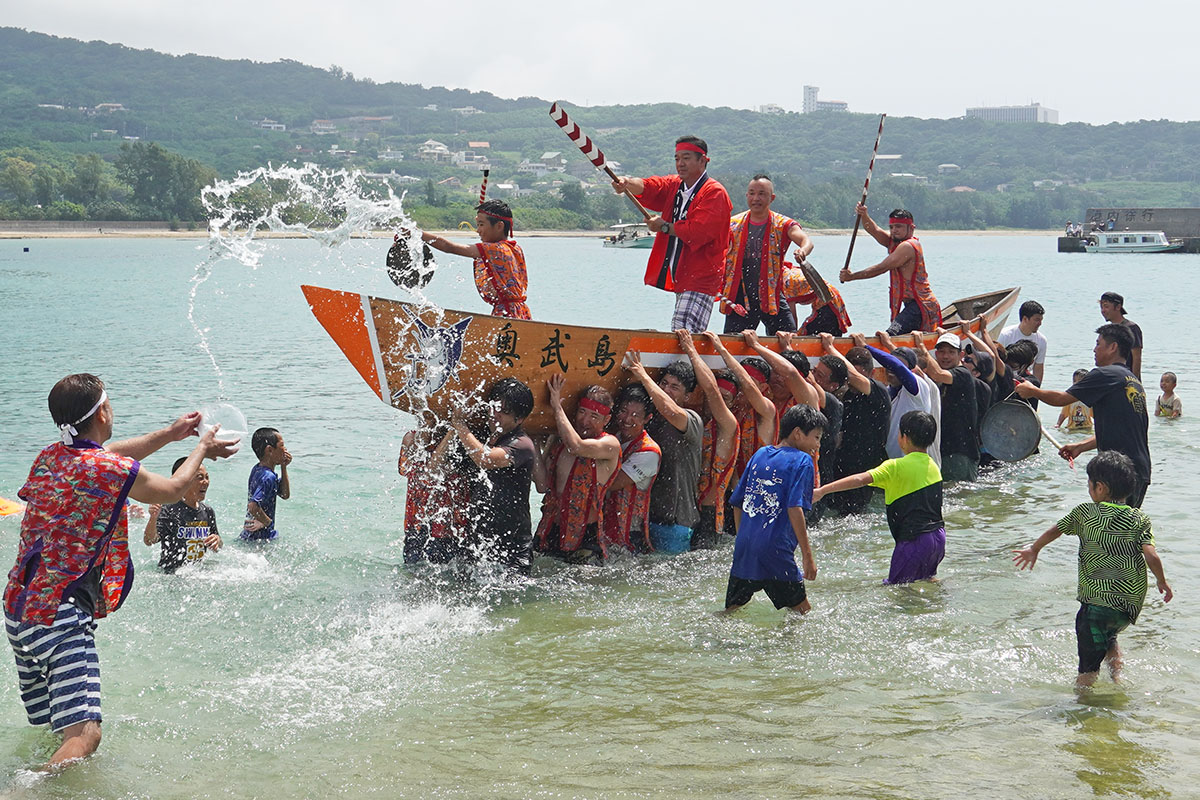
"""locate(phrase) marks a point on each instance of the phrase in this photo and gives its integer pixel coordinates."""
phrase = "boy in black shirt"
(187, 529)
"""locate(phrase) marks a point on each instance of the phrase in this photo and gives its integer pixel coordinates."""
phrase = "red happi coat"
(623, 506)
(75, 519)
(774, 247)
(502, 279)
(915, 288)
(705, 236)
(582, 496)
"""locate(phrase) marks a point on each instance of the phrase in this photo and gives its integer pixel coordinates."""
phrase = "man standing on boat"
(692, 229)
(759, 239)
(914, 308)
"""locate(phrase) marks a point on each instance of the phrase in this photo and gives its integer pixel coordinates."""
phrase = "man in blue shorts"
(769, 504)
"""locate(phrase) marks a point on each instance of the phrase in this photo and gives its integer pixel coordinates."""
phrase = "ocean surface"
(318, 667)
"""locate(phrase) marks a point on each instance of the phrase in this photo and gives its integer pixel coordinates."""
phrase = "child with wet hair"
(1077, 415)
(264, 485)
(1116, 545)
(1169, 404)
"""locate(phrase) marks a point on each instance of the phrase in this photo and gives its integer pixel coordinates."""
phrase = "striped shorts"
(693, 310)
(58, 669)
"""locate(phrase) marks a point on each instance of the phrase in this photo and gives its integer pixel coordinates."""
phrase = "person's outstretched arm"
(858, 382)
(1026, 558)
(663, 404)
(842, 485)
(1156, 568)
(761, 405)
(446, 246)
(801, 389)
(898, 368)
(141, 447)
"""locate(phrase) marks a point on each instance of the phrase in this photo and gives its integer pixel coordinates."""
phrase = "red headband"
(901, 221)
(594, 405)
(496, 216)
(693, 148)
(727, 385)
(755, 373)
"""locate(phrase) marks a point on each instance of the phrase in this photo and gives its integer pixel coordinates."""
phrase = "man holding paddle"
(914, 308)
(692, 227)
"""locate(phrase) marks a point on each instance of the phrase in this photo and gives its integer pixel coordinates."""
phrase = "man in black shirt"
(1118, 404)
(1112, 308)
(960, 411)
(866, 414)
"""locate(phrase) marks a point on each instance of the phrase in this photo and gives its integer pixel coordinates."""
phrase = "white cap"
(949, 338)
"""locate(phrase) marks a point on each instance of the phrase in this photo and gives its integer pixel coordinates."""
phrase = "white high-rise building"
(810, 99)
(1034, 112)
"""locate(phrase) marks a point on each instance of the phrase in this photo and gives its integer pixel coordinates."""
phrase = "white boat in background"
(630, 235)
(1130, 242)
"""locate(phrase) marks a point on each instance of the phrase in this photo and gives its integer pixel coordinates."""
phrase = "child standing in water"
(1169, 404)
(1116, 544)
(187, 529)
(1077, 415)
(265, 485)
(912, 492)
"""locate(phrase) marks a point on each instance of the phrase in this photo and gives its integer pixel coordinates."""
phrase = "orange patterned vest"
(501, 278)
(795, 287)
(915, 288)
(715, 472)
(624, 506)
(571, 511)
(775, 246)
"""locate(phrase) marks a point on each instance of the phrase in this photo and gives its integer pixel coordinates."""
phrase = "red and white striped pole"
(866, 185)
(589, 148)
(483, 187)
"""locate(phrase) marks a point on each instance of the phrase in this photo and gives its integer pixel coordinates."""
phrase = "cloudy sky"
(1095, 62)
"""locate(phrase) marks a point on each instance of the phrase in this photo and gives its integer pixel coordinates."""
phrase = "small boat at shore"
(1130, 242)
(425, 360)
(631, 236)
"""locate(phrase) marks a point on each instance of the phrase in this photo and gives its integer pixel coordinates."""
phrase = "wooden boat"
(424, 360)
(1131, 242)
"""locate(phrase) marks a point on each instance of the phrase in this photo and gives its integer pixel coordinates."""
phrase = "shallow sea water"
(318, 667)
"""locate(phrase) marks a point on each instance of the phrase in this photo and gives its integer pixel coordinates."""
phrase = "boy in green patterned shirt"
(1116, 545)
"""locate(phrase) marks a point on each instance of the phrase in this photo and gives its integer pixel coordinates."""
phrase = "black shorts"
(1096, 629)
(588, 551)
(784, 594)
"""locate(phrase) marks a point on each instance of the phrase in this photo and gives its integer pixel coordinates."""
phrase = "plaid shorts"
(693, 310)
(58, 670)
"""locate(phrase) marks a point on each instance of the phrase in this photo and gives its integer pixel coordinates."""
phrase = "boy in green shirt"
(912, 491)
(1116, 544)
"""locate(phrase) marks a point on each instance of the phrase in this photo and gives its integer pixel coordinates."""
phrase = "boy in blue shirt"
(912, 493)
(769, 503)
(265, 485)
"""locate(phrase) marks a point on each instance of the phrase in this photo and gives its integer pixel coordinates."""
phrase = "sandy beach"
(42, 229)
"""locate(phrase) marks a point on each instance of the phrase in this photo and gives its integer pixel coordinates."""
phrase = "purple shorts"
(917, 559)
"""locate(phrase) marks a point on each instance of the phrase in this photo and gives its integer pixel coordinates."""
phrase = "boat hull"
(424, 360)
(644, 243)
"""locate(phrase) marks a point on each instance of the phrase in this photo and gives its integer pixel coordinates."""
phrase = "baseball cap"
(950, 339)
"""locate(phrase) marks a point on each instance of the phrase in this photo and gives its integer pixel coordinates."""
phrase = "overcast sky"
(1095, 62)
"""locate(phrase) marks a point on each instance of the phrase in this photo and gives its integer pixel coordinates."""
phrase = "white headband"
(68, 429)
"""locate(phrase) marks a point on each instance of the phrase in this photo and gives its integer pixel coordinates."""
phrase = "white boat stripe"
(715, 362)
(385, 391)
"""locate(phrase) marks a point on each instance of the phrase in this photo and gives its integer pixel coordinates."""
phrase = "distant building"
(451, 183)
(960, 189)
(323, 127)
(554, 162)
(771, 108)
(479, 145)
(812, 103)
(51, 105)
(469, 159)
(948, 169)
(108, 108)
(430, 107)
(269, 125)
(466, 111)
(391, 155)
(433, 151)
(1034, 112)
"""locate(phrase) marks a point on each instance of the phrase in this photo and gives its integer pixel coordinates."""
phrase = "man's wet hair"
(1019, 355)
(762, 176)
(837, 369)
(801, 416)
(599, 394)
(683, 371)
(727, 375)
(1030, 308)
(178, 463)
(1116, 334)
(920, 427)
(900, 213)
(798, 360)
(862, 359)
(984, 363)
(262, 439)
(497, 208)
(74, 396)
(759, 365)
(635, 393)
(1114, 470)
(513, 396)
(696, 140)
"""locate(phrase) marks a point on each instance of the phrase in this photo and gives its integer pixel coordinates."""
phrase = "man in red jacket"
(693, 232)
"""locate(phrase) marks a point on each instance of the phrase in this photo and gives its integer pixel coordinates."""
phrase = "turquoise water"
(317, 667)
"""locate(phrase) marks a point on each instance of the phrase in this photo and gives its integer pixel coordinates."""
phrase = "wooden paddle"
(10, 507)
(866, 186)
(589, 149)
(815, 281)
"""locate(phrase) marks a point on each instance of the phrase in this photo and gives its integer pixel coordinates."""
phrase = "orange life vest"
(571, 511)
(623, 506)
(915, 288)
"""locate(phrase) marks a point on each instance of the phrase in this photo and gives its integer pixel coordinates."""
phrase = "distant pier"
(1179, 224)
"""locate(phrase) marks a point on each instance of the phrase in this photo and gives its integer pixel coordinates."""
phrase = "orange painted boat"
(422, 359)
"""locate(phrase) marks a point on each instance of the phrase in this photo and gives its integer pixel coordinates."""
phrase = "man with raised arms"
(758, 425)
(627, 502)
(759, 239)
(679, 434)
(867, 409)
(579, 467)
(913, 306)
(500, 274)
(720, 445)
(692, 227)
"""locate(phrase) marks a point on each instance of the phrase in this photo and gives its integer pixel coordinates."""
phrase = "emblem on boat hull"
(435, 359)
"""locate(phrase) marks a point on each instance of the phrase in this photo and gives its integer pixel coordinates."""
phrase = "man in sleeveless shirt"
(913, 306)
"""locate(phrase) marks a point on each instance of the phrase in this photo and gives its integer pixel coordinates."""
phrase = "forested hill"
(62, 100)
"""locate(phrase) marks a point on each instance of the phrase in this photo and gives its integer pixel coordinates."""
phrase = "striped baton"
(588, 148)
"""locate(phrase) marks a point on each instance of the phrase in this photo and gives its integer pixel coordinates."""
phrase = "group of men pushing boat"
(704, 254)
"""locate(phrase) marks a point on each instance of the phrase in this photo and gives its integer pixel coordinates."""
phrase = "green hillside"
(180, 121)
